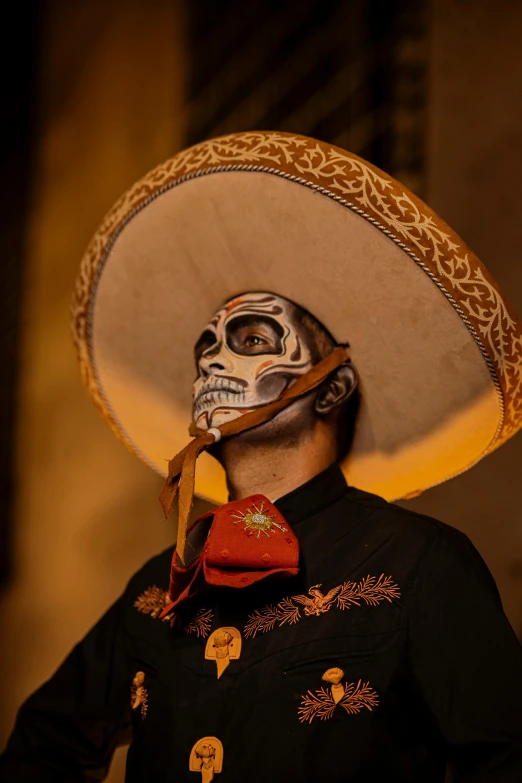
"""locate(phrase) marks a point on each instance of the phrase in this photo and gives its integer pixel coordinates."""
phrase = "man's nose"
(213, 361)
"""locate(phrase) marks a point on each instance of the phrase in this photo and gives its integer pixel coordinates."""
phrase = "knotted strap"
(182, 468)
(249, 540)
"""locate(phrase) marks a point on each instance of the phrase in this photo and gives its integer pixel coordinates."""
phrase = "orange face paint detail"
(263, 366)
(234, 303)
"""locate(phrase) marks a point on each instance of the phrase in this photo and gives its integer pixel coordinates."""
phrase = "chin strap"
(182, 468)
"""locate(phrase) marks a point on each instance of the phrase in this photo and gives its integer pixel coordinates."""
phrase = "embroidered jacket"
(386, 658)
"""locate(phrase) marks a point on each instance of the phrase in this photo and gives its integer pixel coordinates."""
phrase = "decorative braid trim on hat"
(366, 190)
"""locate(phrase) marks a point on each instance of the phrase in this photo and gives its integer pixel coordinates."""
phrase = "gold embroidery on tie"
(139, 694)
(257, 520)
(207, 757)
(223, 646)
(153, 601)
(372, 590)
(352, 697)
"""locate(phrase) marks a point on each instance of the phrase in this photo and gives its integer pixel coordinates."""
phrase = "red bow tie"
(249, 540)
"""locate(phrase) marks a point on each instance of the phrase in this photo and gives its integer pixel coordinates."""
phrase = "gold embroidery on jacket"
(153, 601)
(139, 694)
(372, 590)
(201, 623)
(352, 697)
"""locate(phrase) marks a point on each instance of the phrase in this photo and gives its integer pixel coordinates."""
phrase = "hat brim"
(437, 348)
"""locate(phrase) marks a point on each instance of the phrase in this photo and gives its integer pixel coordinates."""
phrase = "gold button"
(334, 677)
(207, 757)
(139, 694)
(223, 646)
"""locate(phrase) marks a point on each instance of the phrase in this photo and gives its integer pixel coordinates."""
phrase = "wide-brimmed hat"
(437, 347)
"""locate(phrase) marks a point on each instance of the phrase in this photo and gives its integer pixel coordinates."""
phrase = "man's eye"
(254, 340)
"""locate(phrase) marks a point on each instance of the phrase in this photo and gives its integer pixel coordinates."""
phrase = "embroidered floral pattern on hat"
(154, 600)
(139, 694)
(372, 194)
(371, 590)
(352, 697)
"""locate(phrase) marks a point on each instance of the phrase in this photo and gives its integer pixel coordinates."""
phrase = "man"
(306, 629)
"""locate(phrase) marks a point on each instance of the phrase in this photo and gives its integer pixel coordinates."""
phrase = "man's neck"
(274, 470)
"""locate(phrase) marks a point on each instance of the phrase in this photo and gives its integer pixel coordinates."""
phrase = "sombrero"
(437, 347)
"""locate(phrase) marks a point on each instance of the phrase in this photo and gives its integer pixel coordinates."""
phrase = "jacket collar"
(318, 493)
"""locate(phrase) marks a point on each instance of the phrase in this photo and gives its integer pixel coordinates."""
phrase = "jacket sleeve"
(467, 663)
(69, 728)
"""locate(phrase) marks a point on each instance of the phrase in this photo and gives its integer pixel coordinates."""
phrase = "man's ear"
(339, 388)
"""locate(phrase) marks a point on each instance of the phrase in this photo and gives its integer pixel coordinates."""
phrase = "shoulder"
(431, 552)
(417, 531)
(154, 573)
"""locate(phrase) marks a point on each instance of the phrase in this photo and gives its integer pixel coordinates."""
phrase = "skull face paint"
(246, 357)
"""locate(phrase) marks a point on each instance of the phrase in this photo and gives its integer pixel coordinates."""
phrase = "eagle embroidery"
(318, 603)
(371, 590)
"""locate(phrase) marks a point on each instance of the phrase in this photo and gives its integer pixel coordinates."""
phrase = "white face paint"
(246, 357)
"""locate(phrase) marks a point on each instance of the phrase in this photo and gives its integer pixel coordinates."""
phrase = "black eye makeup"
(251, 335)
(205, 341)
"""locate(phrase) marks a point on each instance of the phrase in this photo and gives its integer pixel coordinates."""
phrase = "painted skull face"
(246, 357)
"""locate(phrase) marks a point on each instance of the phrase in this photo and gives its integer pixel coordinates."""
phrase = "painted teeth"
(214, 394)
(221, 384)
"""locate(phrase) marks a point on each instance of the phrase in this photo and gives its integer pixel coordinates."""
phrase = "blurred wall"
(474, 175)
(87, 516)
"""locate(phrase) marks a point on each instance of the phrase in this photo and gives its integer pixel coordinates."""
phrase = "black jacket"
(403, 605)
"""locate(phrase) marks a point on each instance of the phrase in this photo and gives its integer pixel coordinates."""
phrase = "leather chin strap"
(182, 467)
